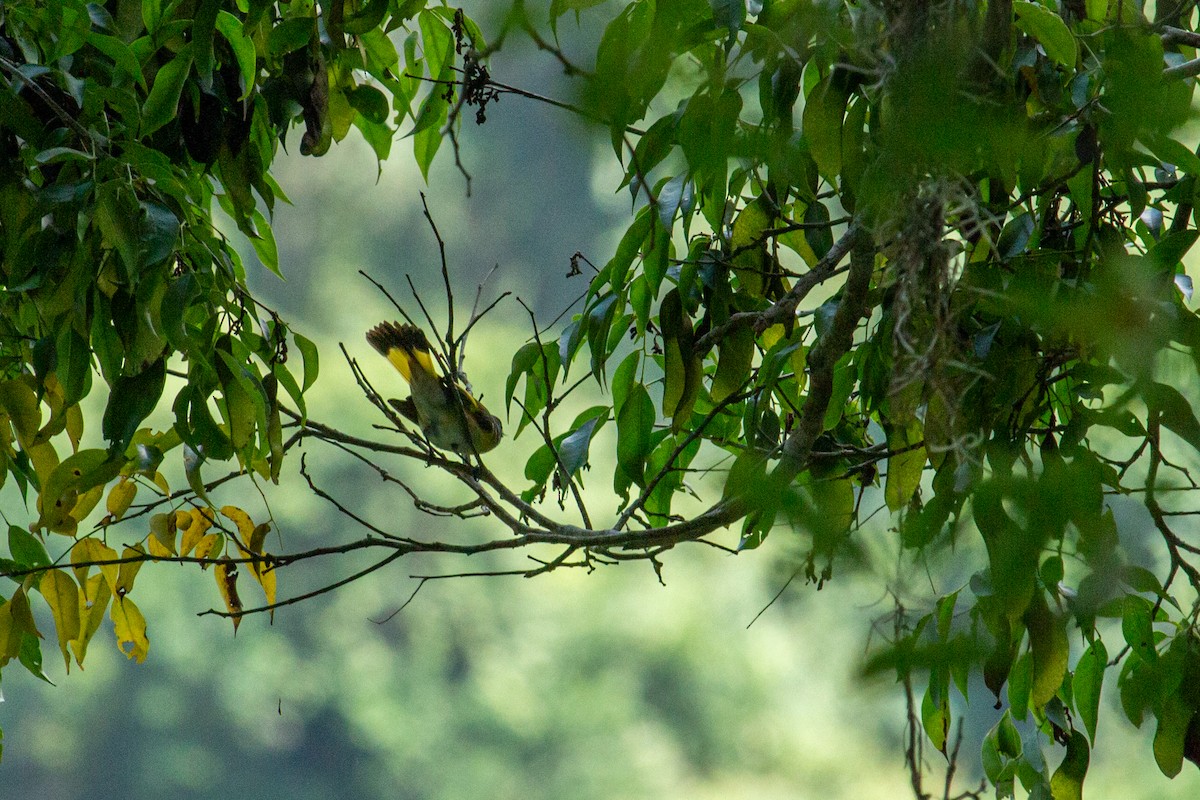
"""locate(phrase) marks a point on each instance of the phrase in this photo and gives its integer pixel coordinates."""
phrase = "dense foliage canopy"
(919, 256)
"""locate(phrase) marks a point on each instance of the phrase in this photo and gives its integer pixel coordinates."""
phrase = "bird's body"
(449, 416)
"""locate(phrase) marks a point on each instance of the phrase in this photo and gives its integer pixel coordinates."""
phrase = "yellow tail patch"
(404, 346)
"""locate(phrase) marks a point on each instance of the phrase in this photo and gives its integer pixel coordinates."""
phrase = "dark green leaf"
(370, 102)
(133, 398)
(163, 102)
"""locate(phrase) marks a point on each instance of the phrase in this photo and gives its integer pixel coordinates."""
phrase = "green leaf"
(1174, 410)
(1067, 782)
(1135, 625)
(163, 103)
(1020, 679)
(369, 16)
(381, 53)
(290, 35)
(904, 466)
(80, 471)
(74, 366)
(437, 42)
(1170, 151)
(1171, 734)
(522, 364)
(560, 7)
(1050, 31)
(1168, 251)
(123, 58)
(1050, 648)
(935, 718)
(573, 451)
(1086, 684)
(243, 50)
(116, 216)
(264, 243)
(822, 126)
(623, 378)
(735, 357)
(26, 549)
(308, 351)
(635, 423)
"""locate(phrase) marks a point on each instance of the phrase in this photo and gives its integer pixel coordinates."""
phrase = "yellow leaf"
(91, 550)
(86, 502)
(200, 520)
(771, 336)
(128, 572)
(120, 497)
(240, 518)
(226, 574)
(263, 572)
(130, 627)
(44, 459)
(19, 400)
(74, 416)
(162, 484)
(62, 596)
(92, 603)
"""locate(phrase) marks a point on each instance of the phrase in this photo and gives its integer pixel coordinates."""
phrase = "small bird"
(449, 416)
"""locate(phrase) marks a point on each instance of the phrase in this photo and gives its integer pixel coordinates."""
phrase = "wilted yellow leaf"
(10, 634)
(120, 497)
(130, 627)
(22, 614)
(62, 595)
(226, 574)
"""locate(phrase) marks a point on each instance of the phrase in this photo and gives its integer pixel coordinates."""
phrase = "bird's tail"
(405, 346)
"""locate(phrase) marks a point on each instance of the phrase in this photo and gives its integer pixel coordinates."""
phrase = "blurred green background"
(573, 685)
